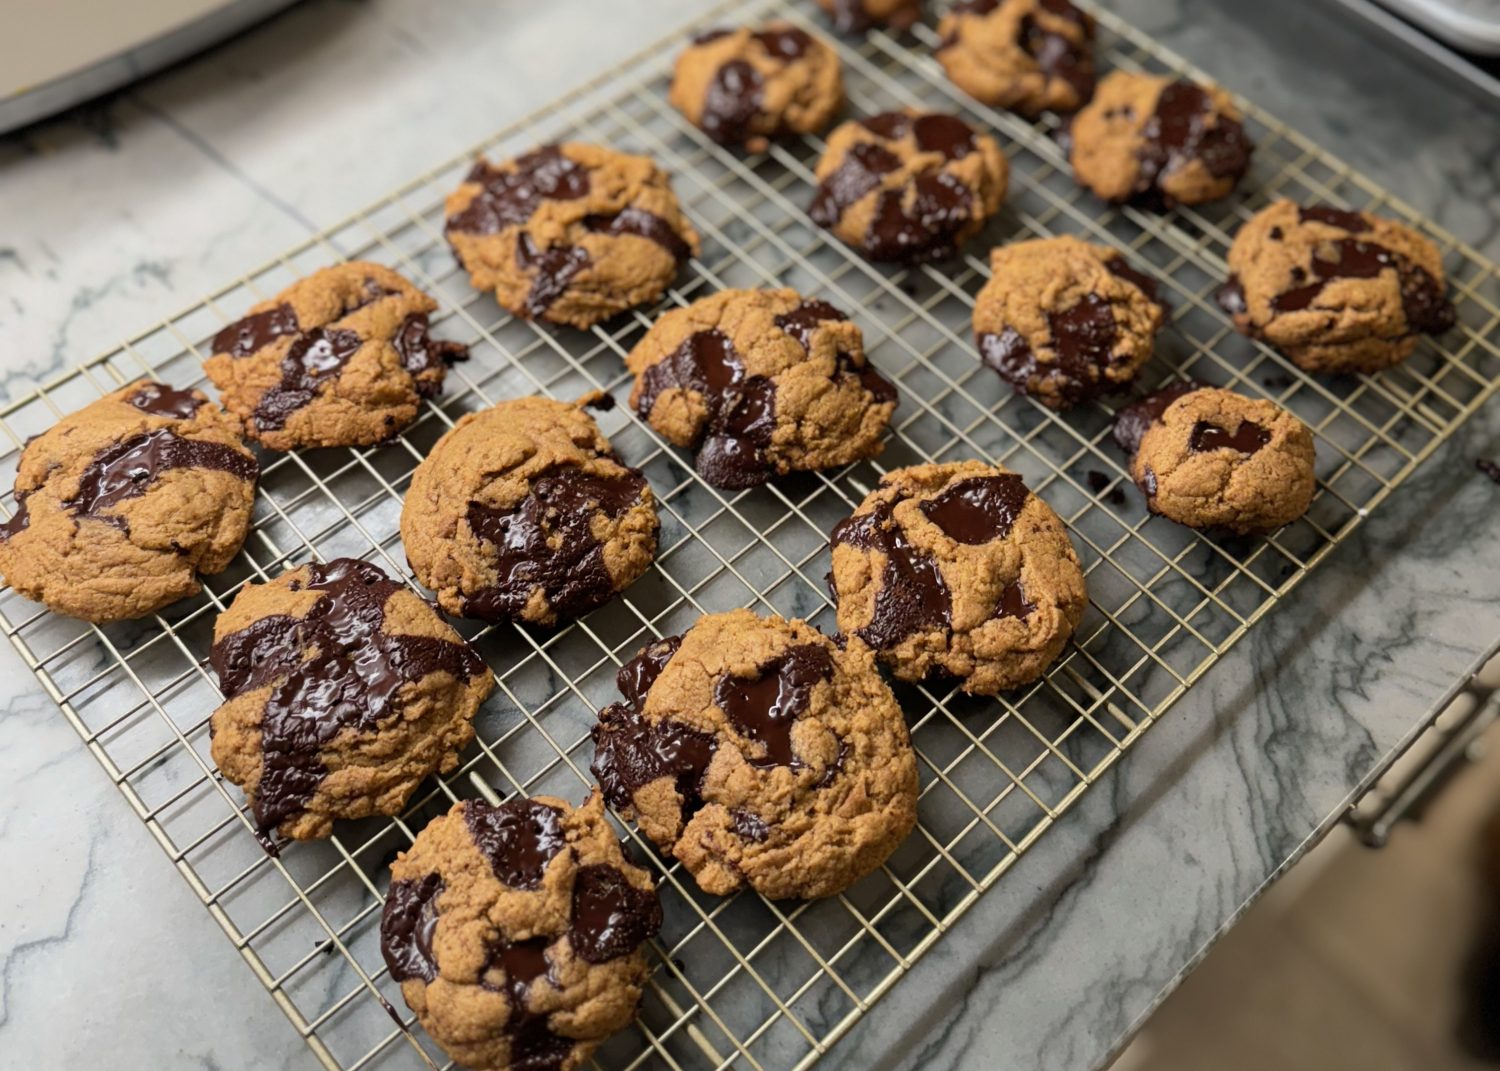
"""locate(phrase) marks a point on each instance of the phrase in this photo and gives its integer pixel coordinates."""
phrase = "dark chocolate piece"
(1178, 133)
(128, 468)
(554, 269)
(1055, 54)
(1247, 438)
(256, 331)
(158, 399)
(519, 838)
(763, 708)
(912, 595)
(732, 103)
(1013, 602)
(421, 353)
(313, 359)
(1426, 307)
(611, 917)
(406, 928)
(978, 510)
(1083, 341)
(1353, 222)
(509, 198)
(1132, 421)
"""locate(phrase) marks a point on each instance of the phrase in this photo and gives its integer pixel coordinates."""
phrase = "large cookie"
(1159, 140)
(744, 87)
(522, 512)
(761, 383)
(515, 932)
(1336, 291)
(1028, 56)
(340, 358)
(908, 186)
(343, 690)
(761, 754)
(1210, 458)
(1065, 321)
(121, 505)
(958, 570)
(570, 234)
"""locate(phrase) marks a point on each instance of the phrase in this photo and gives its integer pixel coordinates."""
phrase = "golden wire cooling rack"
(740, 982)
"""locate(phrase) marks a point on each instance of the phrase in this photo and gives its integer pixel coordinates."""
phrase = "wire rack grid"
(740, 982)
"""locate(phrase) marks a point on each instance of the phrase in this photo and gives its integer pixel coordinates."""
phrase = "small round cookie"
(762, 754)
(122, 504)
(570, 234)
(761, 383)
(1028, 56)
(516, 932)
(958, 570)
(523, 512)
(744, 87)
(340, 358)
(1064, 321)
(858, 16)
(1159, 141)
(1336, 291)
(1210, 458)
(908, 186)
(342, 691)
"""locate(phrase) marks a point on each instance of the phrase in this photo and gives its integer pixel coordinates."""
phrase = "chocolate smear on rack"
(1134, 420)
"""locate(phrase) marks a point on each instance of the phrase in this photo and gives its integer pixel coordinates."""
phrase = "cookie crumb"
(1488, 467)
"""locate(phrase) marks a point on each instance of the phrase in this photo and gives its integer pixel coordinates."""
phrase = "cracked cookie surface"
(340, 358)
(1159, 141)
(523, 512)
(516, 932)
(745, 87)
(1027, 56)
(571, 234)
(760, 753)
(761, 383)
(958, 570)
(122, 504)
(1064, 321)
(1210, 458)
(1336, 291)
(343, 690)
(858, 16)
(908, 186)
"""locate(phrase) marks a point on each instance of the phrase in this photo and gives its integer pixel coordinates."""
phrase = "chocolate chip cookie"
(908, 186)
(1159, 141)
(858, 16)
(340, 358)
(958, 570)
(121, 505)
(523, 512)
(744, 87)
(1336, 291)
(1028, 56)
(761, 383)
(761, 754)
(570, 234)
(516, 932)
(1064, 321)
(1210, 458)
(343, 690)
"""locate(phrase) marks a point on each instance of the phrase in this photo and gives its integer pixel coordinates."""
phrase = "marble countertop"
(127, 210)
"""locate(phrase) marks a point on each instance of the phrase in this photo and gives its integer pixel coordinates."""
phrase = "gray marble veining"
(128, 210)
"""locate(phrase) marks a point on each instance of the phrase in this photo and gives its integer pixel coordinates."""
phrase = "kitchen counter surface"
(127, 210)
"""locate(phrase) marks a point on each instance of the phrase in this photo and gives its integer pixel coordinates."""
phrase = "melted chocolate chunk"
(642, 224)
(934, 132)
(158, 399)
(572, 575)
(1132, 422)
(1143, 282)
(630, 752)
(256, 331)
(1352, 222)
(1178, 133)
(1055, 54)
(1013, 602)
(519, 838)
(1083, 341)
(978, 510)
(912, 594)
(940, 206)
(857, 174)
(1247, 438)
(1426, 307)
(555, 268)
(311, 361)
(742, 411)
(406, 928)
(611, 917)
(851, 16)
(764, 707)
(351, 681)
(419, 353)
(786, 42)
(509, 198)
(128, 468)
(751, 827)
(533, 1045)
(804, 319)
(1231, 298)
(732, 103)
